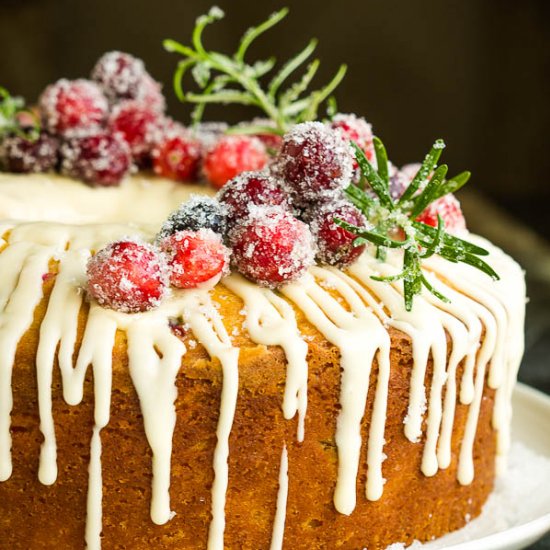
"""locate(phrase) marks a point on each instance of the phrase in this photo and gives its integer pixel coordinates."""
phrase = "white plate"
(531, 428)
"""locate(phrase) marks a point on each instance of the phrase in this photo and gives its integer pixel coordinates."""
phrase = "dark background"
(475, 72)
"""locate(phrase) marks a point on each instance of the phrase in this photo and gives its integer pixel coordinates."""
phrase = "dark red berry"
(232, 155)
(334, 243)
(195, 257)
(449, 209)
(356, 129)
(127, 276)
(315, 161)
(272, 247)
(251, 189)
(177, 157)
(199, 212)
(102, 159)
(150, 95)
(23, 155)
(73, 107)
(119, 74)
(139, 126)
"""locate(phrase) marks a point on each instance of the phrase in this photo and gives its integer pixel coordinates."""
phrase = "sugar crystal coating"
(177, 155)
(73, 107)
(21, 155)
(315, 161)
(195, 257)
(199, 212)
(251, 189)
(450, 211)
(128, 276)
(272, 247)
(355, 129)
(102, 159)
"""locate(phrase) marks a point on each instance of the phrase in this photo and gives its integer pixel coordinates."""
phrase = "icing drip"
(271, 321)
(483, 324)
(280, 512)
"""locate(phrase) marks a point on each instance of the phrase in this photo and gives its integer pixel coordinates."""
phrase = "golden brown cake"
(322, 415)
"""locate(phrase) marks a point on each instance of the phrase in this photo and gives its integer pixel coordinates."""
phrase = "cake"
(307, 407)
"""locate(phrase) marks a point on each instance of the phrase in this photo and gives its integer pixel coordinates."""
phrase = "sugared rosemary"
(393, 217)
(11, 111)
(231, 79)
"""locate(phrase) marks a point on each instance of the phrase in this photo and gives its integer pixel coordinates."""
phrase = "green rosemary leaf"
(261, 68)
(450, 240)
(425, 169)
(215, 14)
(317, 97)
(478, 263)
(436, 243)
(388, 278)
(175, 47)
(298, 88)
(201, 74)
(332, 107)
(289, 67)
(426, 196)
(254, 32)
(370, 236)
(381, 160)
(379, 186)
(360, 198)
(224, 96)
(452, 185)
(433, 290)
(179, 73)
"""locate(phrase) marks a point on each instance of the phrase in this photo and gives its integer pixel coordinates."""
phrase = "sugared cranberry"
(73, 107)
(24, 155)
(119, 74)
(127, 276)
(334, 243)
(209, 133)
(199, 212)
(139, 126)
(251, 189)
(316, 161)
(195, 257)
(177, 157)
(150, 95)
(102, 159)
(232, 155)
(449, 209)
(356, 129)
(272, 247)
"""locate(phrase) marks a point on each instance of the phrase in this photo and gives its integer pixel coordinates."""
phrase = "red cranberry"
(139, 126)
(119, 74)
(24, 155)
(251, 189)
(356, 129)
(334, 243)
(73, 107)
(127, 276)
(315, 161)
(232, 155)
(177, 157)
(102, 159)
(195, 257)
(272, 247)
(449, 209)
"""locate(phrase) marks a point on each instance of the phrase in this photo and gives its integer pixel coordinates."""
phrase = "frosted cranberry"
(150, 95)
(315, 161)
(272, 247)
(251, 189)
(232, 155)
(24, 155)
(449, 209)
(139, 126)
(356, 129)
(334, 243)
(177, 157)
(195, 257)
(127, 276)
(102, 159)
(73, 107)
(199, 212)
(119, 74)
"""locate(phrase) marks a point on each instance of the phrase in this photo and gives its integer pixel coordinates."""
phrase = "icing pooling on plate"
(483, 322)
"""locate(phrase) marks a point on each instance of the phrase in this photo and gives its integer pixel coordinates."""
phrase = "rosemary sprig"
(231, 79)
(391, 217)
(11, 109)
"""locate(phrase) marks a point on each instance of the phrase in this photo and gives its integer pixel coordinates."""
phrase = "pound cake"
(256, 337)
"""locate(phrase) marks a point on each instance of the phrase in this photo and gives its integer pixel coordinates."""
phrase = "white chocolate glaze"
(479, 331)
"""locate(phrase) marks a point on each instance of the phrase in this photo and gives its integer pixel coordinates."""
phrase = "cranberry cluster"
(99, 130)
